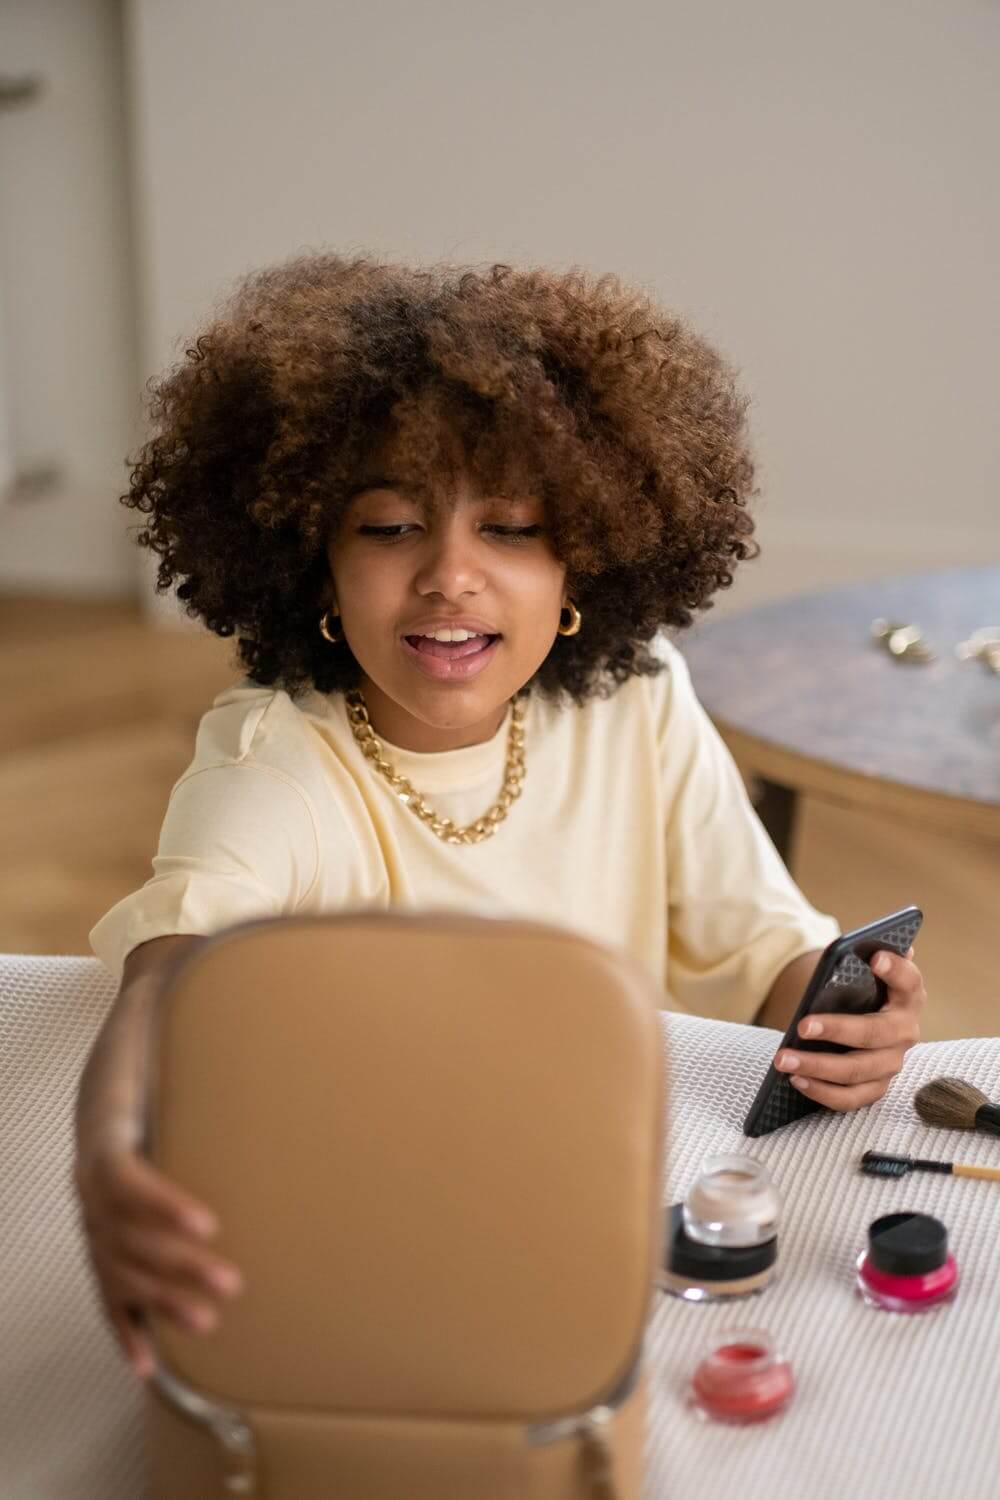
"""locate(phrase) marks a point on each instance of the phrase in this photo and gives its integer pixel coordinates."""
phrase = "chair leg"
(777, 807)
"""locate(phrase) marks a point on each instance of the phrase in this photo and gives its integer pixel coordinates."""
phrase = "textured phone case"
(785, 1104)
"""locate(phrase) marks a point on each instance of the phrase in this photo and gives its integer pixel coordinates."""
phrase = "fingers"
(882, 1028)
(177, 1259)
(131, 1286)
(147, 1240)
(843, 1068)
(139, 1289)
(136, 1345)
(837, 1096)
(897, 1024)
(136, 1186)
(124, 1298)
(878, 1041)
(901, 975)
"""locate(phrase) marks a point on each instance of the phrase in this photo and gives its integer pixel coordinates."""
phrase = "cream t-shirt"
(633, 827)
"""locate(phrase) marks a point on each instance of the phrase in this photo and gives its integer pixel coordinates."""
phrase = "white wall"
(70, 383)
(812, 184)
(809, 183)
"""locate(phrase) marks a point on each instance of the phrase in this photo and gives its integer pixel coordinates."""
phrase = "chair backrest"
(434, 1143)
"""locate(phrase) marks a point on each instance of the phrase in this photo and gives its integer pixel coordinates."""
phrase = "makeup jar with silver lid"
(722, 1241)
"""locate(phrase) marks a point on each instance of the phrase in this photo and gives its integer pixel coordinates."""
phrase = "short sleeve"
(238, 842)
(736, 917)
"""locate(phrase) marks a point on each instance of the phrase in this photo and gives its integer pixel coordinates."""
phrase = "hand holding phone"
(842, 982)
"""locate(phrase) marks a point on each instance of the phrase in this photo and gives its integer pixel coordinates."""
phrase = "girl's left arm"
(879, 1041)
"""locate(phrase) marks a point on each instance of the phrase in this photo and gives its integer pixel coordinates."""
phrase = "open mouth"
(451, 661)
(450, 650)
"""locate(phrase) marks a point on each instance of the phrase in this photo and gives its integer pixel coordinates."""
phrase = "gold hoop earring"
(575, 619)
(324, 628)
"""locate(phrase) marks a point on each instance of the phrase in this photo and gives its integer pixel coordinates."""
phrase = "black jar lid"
(687, 1257)
(907, 1244)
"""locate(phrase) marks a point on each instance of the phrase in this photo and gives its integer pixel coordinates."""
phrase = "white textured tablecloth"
(70, 1409)
(886, 1406)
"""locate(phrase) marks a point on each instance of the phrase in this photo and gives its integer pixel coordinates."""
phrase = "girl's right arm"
(146, 1235)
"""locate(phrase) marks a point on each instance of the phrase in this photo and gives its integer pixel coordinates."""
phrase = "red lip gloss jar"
(741, 1377)
(907, 1267)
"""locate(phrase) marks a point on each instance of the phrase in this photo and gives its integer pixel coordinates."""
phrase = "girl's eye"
(516, 533)
(391, 533)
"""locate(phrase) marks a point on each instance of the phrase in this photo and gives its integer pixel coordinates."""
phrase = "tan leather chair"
(435, 1147)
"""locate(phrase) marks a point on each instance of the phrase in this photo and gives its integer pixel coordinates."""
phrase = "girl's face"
(472, 564)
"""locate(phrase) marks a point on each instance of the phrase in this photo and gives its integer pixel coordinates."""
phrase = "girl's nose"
(448, 564)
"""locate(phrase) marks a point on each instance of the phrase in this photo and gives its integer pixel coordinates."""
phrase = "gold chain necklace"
(482, 828)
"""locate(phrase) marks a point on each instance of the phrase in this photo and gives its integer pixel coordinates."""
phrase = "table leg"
(776, 807)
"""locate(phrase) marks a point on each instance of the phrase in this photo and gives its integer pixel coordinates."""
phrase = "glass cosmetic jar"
(732, 1201)
(722, 1242)
(741, 1377)
(907, 1267)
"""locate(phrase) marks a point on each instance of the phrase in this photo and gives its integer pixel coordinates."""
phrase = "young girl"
(449, 517)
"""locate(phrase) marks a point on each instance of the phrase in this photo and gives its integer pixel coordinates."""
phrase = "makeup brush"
(878, 1164)
(957, 1105)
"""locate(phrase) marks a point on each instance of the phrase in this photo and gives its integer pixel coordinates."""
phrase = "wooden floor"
(98, 711)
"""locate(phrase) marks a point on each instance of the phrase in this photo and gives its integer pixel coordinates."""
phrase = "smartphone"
(842, 981)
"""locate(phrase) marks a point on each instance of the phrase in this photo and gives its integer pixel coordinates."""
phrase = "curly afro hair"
(626, 424)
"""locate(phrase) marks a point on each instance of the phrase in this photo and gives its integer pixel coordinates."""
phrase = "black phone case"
(843, 962)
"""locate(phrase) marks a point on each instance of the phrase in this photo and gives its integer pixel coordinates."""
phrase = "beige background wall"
(810, 184)
(70, 379)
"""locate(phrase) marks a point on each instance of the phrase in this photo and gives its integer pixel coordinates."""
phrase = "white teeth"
(449, 635)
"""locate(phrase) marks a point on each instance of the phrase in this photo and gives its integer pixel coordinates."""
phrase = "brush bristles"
(950, 1102)
(874, 1165)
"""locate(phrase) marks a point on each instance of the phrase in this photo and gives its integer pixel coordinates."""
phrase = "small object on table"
(956, 1105)
(741, 1377)
(984, 645)
(880, 1164)
(907, 1267)
(732, 1201)
(700, 1273)
(904, 642)
(722, 1241)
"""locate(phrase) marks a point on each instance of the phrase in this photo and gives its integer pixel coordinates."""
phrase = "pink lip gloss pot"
(907, 1267)
(741, 1377)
